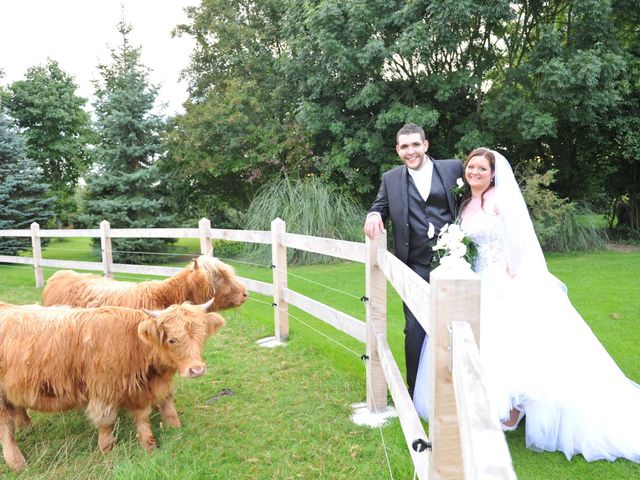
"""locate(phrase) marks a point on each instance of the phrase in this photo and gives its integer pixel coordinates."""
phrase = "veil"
(524, 254)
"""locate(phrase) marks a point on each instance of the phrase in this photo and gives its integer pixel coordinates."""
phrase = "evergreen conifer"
(24, 195)
(125, 185)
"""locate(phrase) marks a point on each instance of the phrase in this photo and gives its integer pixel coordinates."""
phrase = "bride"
(541, 360)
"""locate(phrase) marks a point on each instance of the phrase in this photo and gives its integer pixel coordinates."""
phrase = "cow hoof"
(15, 461)
(106, 444)
(149, 445)
(172, 422)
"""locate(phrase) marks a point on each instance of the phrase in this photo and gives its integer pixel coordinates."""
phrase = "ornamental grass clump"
(309, 207)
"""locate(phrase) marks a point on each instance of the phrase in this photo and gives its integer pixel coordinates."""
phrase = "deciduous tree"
(559, 82)
(239, 129)
(56, 127)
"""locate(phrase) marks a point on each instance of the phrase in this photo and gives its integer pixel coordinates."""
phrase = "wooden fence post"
(105, 243)
(455, 295)
(206, 245)
(37, 254)
(376, 319)
(279, 267)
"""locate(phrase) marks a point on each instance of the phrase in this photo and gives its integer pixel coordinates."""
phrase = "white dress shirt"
(422, 178)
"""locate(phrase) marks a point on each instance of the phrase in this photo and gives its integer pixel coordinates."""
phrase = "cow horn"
(152, 313)
(205, 306)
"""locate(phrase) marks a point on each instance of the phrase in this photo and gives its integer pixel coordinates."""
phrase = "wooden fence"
(465, 441)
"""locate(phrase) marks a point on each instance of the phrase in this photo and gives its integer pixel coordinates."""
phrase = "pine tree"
(24, 195)
(125, 185)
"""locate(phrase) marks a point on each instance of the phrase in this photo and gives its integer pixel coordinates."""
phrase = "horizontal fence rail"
(485, 454)
(251, 236)
(411, 425)
(71, 264)
(15, 233)
(154, 233)
(413, 290)
(263, 288)
(326, 246)
(14, 259)
(465, 440)
(52, 233)
(337, 319)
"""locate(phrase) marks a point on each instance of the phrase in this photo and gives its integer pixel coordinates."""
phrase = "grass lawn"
(287, 416)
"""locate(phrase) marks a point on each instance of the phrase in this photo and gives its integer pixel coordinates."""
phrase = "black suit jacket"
(393, 199)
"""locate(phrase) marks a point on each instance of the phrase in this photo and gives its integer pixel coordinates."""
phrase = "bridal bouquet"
(453, 247)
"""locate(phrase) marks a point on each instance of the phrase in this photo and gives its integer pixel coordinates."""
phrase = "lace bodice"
(486, 230)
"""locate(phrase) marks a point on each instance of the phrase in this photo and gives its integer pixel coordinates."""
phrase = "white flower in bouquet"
(459, 251)
(454, 247)
(455, 234)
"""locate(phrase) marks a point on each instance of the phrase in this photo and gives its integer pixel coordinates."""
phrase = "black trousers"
(413, 333)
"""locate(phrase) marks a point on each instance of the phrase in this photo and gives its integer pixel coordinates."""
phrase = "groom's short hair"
(408, 129)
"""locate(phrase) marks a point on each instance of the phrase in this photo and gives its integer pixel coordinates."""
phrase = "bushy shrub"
(625, 235)
(561, 225)
(308, 207)
(229, 249)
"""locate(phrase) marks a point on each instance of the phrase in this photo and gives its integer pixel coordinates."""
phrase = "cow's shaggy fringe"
(200, 281)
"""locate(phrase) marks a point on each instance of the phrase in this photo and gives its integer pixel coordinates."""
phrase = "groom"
(414, 195)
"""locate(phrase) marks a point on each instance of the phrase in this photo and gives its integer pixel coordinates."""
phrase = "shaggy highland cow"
(201, 280)
(54, 359)
(204, 278)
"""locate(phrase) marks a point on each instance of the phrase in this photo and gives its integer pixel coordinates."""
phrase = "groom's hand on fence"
(373, 225)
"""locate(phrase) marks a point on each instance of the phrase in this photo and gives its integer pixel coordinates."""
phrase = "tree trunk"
(634, 200)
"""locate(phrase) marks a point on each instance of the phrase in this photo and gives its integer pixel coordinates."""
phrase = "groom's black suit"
(399, 200)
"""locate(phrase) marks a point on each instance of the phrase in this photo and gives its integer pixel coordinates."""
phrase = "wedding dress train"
(540, 356)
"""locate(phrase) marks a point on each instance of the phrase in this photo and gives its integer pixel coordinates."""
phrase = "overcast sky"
(78, 34)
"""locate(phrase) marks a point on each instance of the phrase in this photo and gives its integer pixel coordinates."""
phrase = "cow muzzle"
(196, 370)
(244, 294)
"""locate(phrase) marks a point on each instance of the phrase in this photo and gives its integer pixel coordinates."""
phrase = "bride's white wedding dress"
(540, 356)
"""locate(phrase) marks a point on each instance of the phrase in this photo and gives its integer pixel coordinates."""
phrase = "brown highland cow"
(201, 280)
(54, 359)
(204, 278)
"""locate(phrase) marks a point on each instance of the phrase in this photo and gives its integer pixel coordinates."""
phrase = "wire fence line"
(311, 327)
(164, 254)
(30, 267)
(5, 265)
(356, 354)
(384, 443)
(323, 285)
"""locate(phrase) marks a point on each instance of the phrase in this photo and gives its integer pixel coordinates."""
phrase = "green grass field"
(287, 416)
